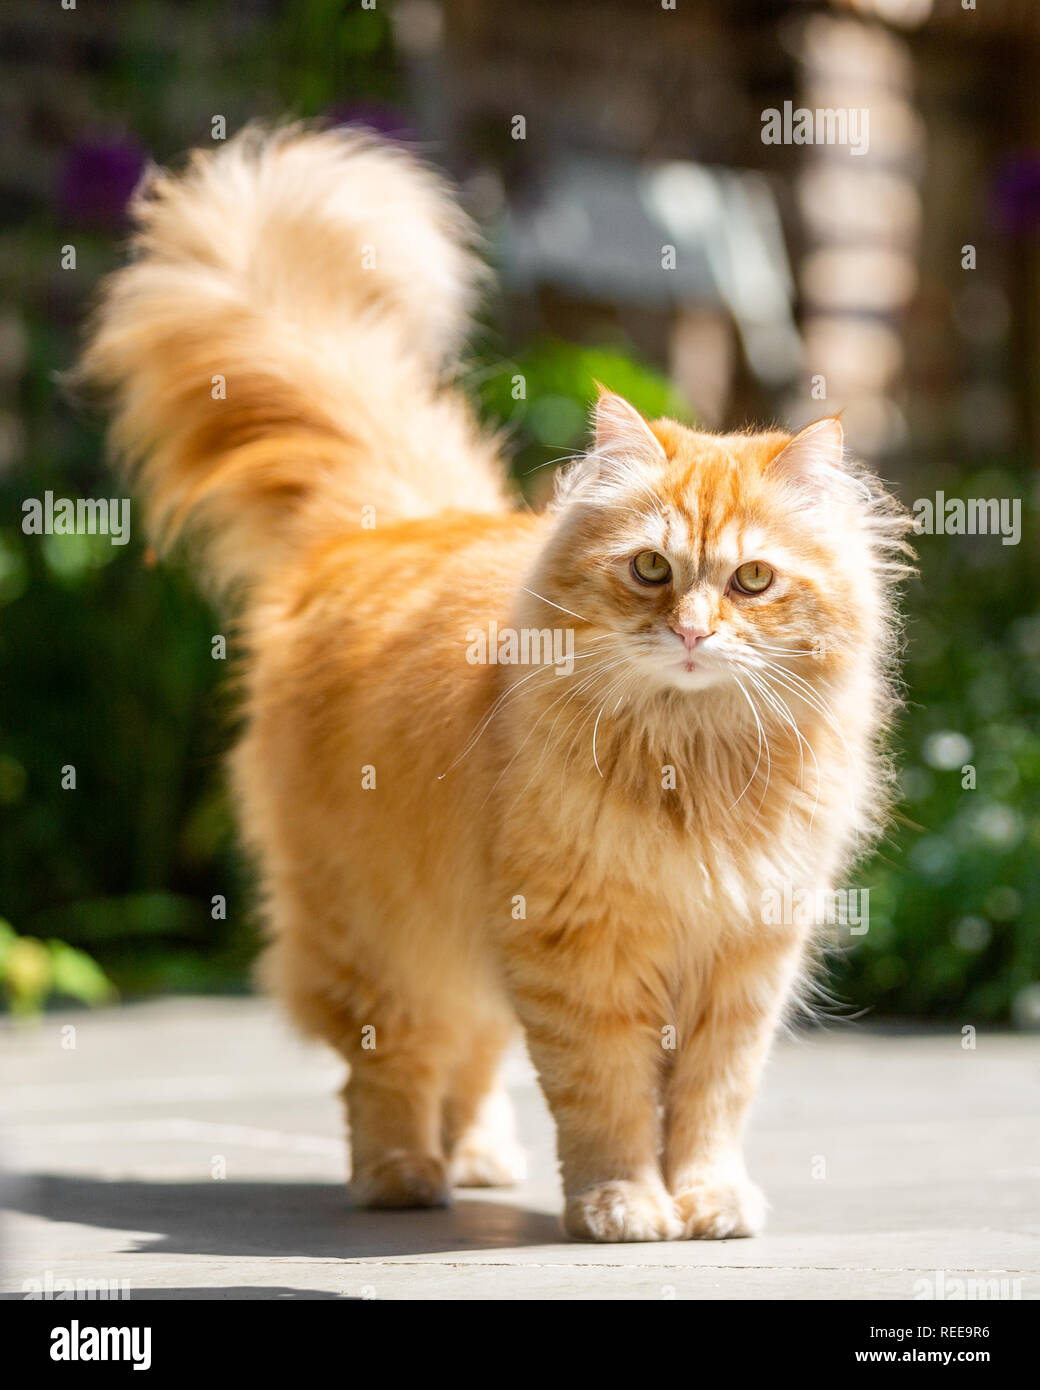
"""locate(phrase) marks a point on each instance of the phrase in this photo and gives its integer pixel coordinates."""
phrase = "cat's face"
(695, 558)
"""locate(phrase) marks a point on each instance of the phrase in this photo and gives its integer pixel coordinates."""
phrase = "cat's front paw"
(401, 1178)
(616, 1211)
(716, 1207)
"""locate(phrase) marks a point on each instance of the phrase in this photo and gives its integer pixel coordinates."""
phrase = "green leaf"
(76, 974)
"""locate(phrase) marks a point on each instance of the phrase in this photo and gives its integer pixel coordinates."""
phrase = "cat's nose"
(691, 633)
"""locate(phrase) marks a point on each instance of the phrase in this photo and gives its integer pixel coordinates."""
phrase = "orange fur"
(448, 846)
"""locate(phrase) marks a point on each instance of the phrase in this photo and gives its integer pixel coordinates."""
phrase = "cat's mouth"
(687, 670)
(700, 662)
(667, 663)
(693, 670)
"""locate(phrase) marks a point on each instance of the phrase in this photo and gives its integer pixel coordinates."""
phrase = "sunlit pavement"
(193, 1148)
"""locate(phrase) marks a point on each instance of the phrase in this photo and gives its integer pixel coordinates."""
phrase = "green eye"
(753, 578)
(651, 568)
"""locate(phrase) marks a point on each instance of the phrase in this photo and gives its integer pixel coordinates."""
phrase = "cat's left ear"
(812, 462)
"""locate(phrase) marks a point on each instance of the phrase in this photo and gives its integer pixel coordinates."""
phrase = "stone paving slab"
(896, 1164)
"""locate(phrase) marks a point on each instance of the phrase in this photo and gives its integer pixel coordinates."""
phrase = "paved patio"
(193, 1148)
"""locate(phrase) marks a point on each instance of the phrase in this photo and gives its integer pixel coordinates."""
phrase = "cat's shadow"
(307, 1220)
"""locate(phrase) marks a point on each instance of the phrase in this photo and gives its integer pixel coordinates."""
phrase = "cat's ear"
(811, 464)
(620, 430)
(624, 447)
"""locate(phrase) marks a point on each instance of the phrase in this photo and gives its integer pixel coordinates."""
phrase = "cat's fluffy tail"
(273, 351)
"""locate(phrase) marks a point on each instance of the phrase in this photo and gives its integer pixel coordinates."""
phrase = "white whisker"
(762, 740)
(554, 605)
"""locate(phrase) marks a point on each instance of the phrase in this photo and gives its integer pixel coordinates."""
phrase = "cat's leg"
(478, 1126)
(394, 1098)
(598, 1057)
(399, 1053)
(713, 1082)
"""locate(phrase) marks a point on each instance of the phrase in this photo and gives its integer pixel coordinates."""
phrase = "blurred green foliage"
(955, 890)
(542, 399)
(105, 678)
(33, 971)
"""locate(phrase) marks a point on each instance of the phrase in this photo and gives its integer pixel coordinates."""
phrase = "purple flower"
(376, 115)
(1017, 194)
(97, 179)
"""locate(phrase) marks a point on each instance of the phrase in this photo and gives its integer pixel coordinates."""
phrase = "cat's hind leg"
(394, 1097)
(400, 1052)
(479, 1133)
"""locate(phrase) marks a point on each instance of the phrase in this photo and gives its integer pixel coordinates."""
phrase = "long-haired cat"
(449, 844)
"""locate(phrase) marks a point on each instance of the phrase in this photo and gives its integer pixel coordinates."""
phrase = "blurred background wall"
(646, 235)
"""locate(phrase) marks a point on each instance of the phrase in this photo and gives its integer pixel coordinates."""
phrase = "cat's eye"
(753, 578)
(651, 567)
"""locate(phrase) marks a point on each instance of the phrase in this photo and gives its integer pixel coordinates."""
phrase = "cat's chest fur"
(637, 845)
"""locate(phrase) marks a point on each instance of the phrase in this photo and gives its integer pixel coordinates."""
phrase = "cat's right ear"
(623, 447)
(620, 431)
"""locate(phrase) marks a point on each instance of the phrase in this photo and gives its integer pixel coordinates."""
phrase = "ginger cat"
(448, 845)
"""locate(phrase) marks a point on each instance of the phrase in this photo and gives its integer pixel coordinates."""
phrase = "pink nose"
(691, 634)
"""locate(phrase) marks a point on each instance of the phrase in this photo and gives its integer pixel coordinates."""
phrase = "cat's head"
(691, 558)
